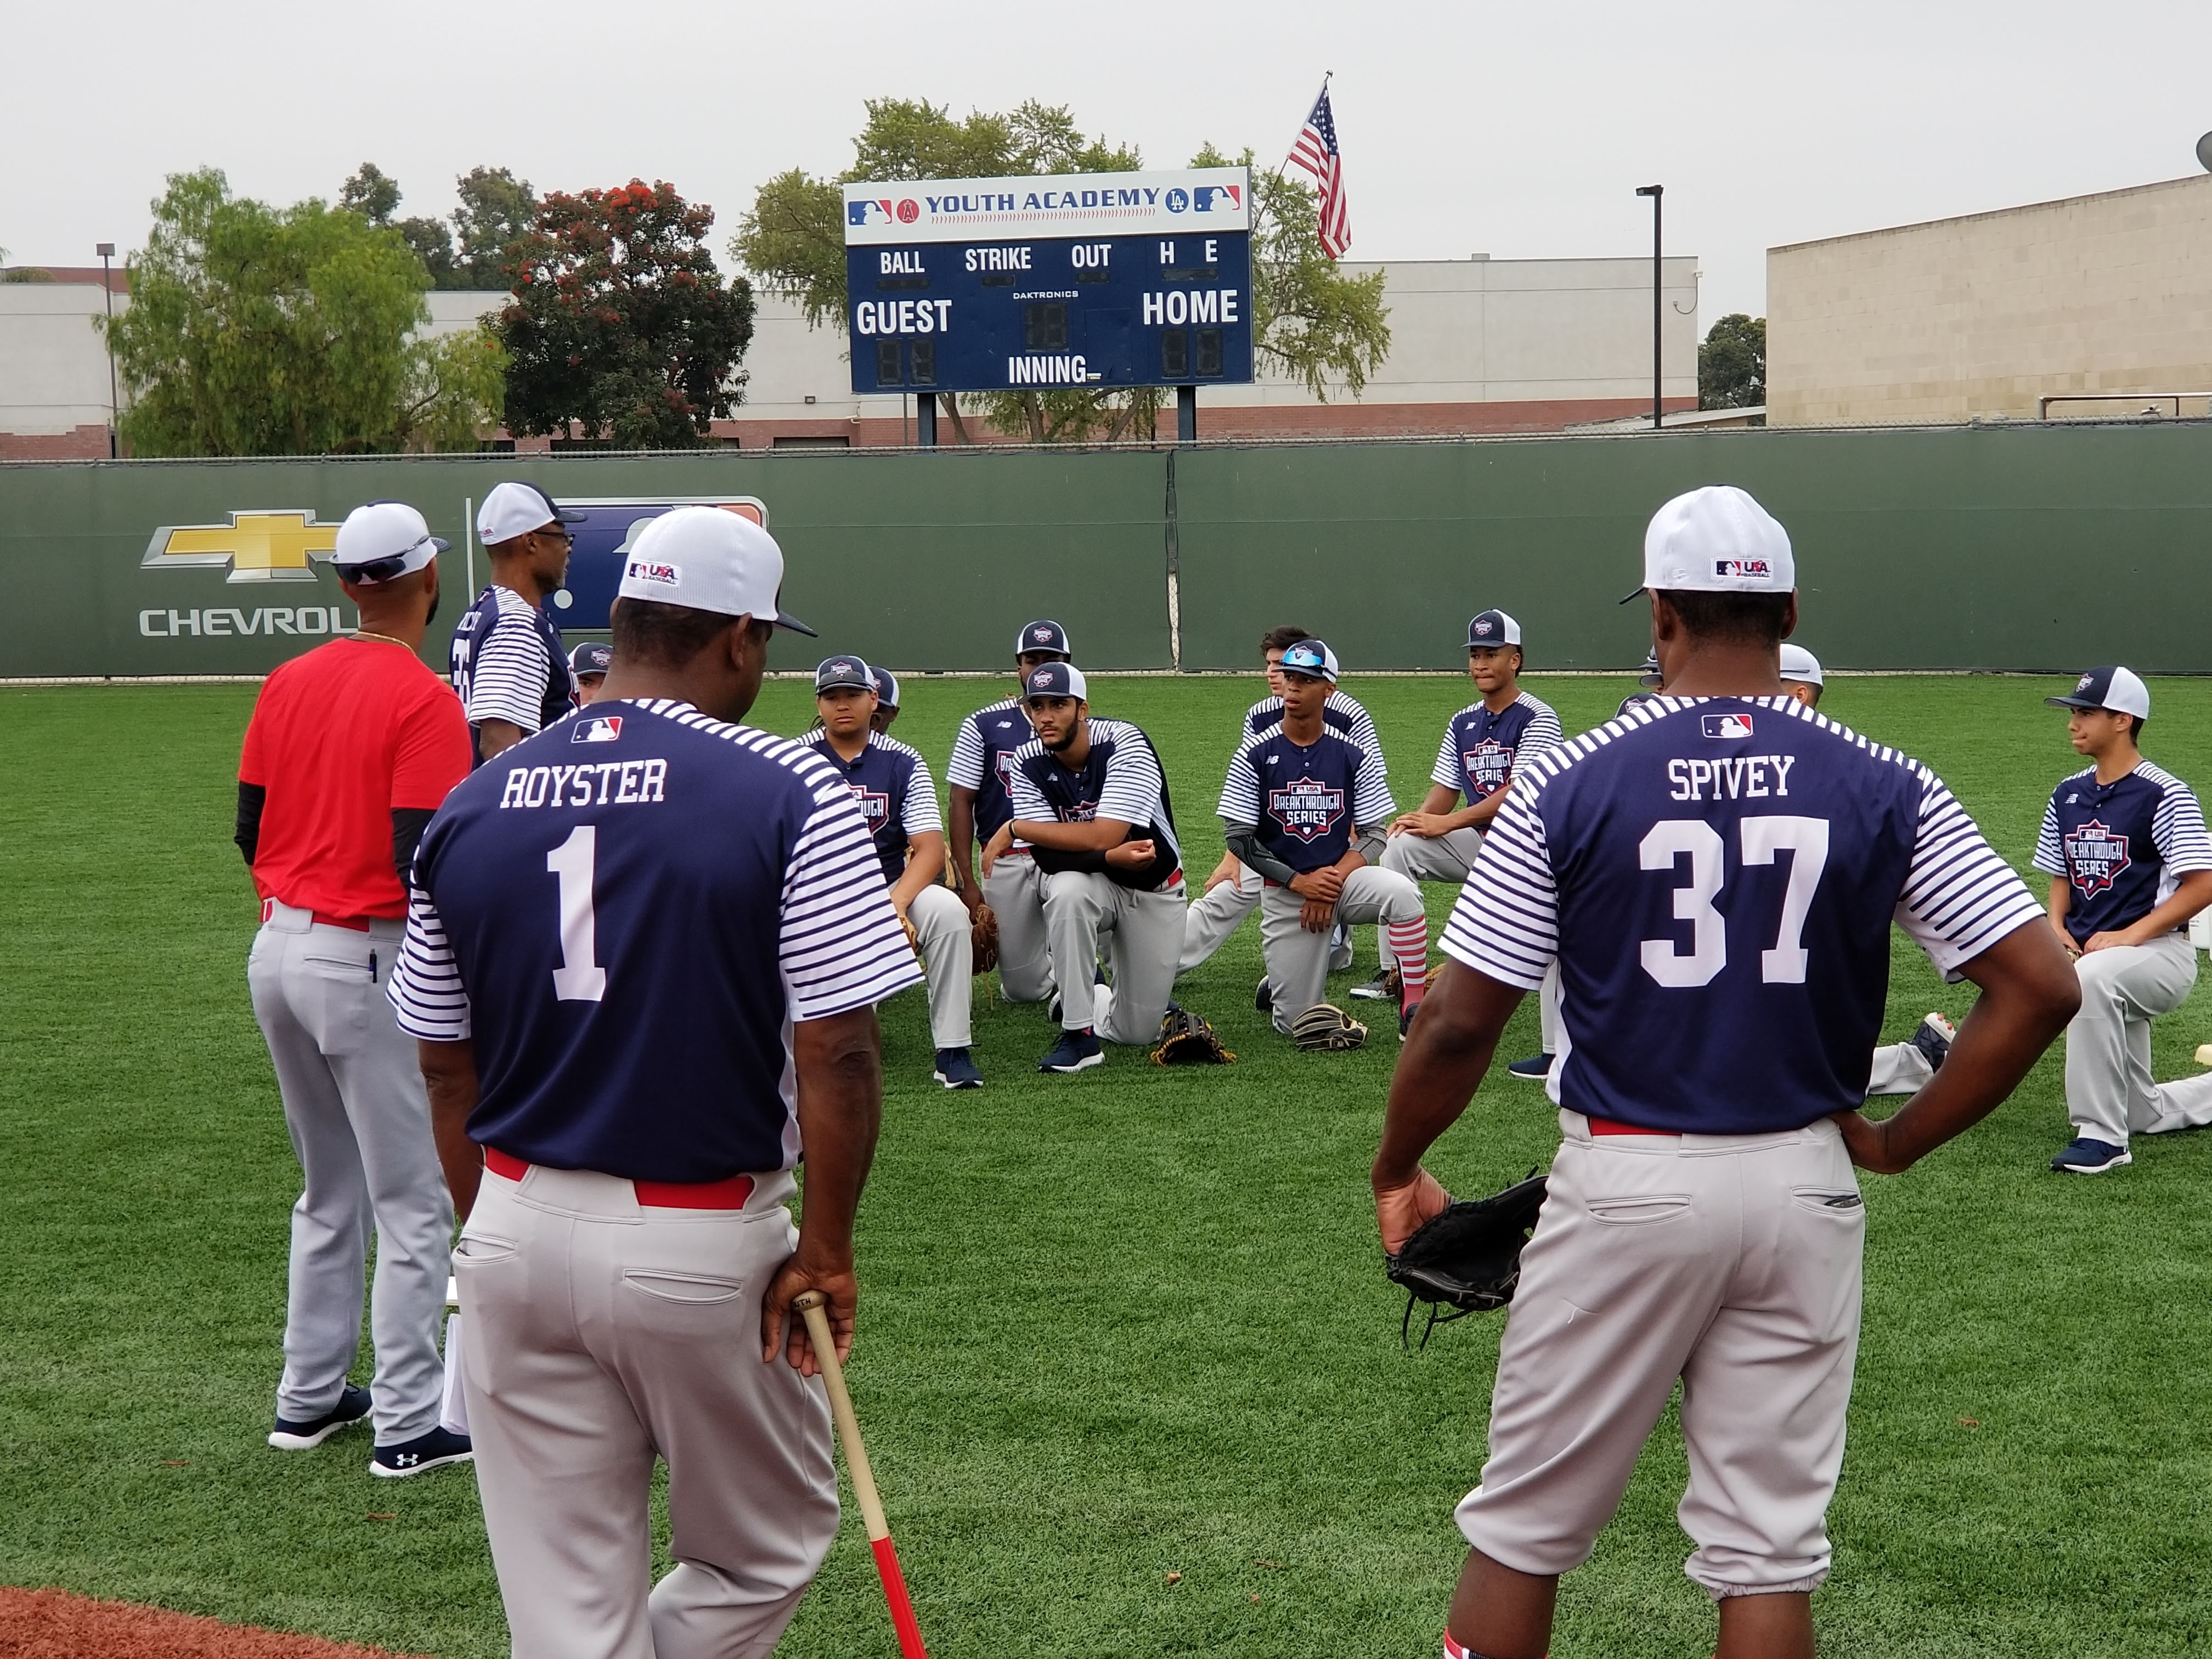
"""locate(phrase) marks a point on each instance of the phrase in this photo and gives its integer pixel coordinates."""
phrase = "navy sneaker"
(2083, 1156)
(1263, 997)
(1406, 1020)
(425, 1451)
(1534, 1069)
(1384, 987)
(1934, 1038)
(1079, 1051)
(352, 1407)
(957, 1070)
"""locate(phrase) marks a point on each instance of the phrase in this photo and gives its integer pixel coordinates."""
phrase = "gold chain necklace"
(369, 634)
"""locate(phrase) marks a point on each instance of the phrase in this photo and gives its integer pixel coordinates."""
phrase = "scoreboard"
(1083, 280)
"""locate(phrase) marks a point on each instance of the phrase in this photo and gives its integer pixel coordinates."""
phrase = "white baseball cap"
(1717, 540)
(707, 559)
(1800, 664)
(514, 508)
(383, 541)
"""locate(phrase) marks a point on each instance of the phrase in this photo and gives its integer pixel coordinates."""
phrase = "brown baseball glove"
(983, 938)
(1327, 1028)
(1186, 1039)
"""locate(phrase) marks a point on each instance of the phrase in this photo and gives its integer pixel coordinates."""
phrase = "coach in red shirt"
(351, 748)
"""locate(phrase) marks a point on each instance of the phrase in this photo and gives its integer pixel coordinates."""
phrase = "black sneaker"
(352, 1407)
(1079, 1051)
(1534, 1069)
(1052, 1009)
(1263, 997)
(1384, 987)
(425, 1451)
(956, 1069)
(1406, 1020)
(1933, 1039)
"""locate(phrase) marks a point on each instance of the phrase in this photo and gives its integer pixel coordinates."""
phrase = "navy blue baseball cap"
(886, 687)
(1055, 679)
(843, 671)
(590, 658)
(1311, 659)
(2112, 687)
(1042, 635)
(1492, 627)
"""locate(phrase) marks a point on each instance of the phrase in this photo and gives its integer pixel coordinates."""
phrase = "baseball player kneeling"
(1715, 873)
(1304, 807)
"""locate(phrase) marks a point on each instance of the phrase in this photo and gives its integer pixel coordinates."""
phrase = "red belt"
(352, 924)
(730, 1193)
(1606, 1126)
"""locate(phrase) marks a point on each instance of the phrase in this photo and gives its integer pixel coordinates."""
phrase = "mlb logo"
(598, 728)
(652, 570)
(868, 213)
(1725, 726)
(1747, 569)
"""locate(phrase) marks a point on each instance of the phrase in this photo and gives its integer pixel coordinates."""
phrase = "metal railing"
(2151, 399)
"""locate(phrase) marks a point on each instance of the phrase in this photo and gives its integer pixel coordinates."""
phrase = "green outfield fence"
(2014, 546)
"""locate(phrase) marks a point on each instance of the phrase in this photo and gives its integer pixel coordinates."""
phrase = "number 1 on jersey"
(1806, 839)
(579, 978)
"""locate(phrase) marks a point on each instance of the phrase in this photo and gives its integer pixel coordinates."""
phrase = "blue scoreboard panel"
(1022, 284)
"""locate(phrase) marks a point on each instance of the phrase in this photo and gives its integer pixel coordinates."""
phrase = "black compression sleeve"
(1244, 843)
(252, 798)
(408, 823)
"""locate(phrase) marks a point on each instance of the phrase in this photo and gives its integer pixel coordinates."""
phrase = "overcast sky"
(1517, 130)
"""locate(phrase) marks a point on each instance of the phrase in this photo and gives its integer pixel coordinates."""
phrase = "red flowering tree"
(620, 324)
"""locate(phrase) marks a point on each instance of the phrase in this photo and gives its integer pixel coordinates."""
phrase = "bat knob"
(806, 1299)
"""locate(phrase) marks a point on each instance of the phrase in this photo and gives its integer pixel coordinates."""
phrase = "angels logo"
(1488, 764)
(874, 807)
(1306, 808)
(2094, 858)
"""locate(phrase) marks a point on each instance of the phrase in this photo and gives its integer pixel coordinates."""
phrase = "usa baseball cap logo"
(1725, 726)
(1744, 569)
(652, 570)
(598, 728)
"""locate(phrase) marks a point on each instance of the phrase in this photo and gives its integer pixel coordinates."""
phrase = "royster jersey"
(1482, 749)
(2120, 847)
(509, 664)
(1341, 715)
(625, 915)
(891, 783)
(1716, 878)
(1120, 778)
(1307, 800)
(983, 756)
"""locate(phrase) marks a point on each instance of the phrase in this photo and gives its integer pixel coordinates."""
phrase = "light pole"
(1658, 308)
(107, 252)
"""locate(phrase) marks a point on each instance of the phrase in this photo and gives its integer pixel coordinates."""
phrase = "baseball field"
(1130, 1372)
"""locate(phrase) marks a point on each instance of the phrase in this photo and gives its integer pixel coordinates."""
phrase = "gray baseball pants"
(1215, 914)
(948, 962)
(360, 1123)
(1449, 858)
(1024, 955)
(1297, 961)
(1141, 934)
(602, 1333)
(2108, 1087)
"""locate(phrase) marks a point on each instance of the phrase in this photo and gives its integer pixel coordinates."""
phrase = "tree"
(498, 210)
(1309, 320)
(260, 331)
(374, 194)
(1732, 363)
(620, 322)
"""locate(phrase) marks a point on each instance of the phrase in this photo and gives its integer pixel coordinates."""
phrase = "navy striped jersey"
(1716, 878)
(1481, 750)
(1120, 779)
(509, 664)
(625, 915)
(1306, 800)
(891, 783)
(1341, 713)
(983, 755)
(2121, 847)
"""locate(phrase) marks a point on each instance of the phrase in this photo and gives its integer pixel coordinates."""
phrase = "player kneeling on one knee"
(1305, 808)
(891, 784)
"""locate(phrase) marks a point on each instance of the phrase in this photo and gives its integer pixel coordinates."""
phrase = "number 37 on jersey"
(1696, 848)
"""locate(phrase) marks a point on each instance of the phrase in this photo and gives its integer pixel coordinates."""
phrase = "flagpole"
(1327, 77)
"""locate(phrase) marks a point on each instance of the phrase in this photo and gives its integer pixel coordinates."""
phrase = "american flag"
(1316, 152)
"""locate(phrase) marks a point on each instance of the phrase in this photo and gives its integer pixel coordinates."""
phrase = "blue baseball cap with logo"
(1492, 628)
(1311, 659)
(591, 657)
(2120, 690)
(843, 671)
(886, 687)
(1040, 636)
(1055, 679)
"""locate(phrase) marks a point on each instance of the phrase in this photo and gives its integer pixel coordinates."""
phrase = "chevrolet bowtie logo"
(257, 546)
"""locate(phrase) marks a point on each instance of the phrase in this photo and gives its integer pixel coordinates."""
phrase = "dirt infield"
(49, 1624)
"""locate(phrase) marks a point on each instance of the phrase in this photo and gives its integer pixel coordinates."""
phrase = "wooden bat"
(813, 1306)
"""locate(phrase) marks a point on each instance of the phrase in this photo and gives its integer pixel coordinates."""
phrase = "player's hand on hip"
(1228, 870)
(1400, 1212)
(1131, 855)
(1868, 1142)
(783, 1332)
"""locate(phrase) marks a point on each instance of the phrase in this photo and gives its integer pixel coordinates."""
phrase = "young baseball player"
(887, 696)
(588, 663)
(2124, 844)
(642, 960)
(507, 663)
(1091, 802)
(1484, 745)
(1714, 874)
(891, 784)
(1232, 892)
(1302, 807)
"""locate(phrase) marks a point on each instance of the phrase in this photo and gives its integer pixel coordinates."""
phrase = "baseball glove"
(1187, 1040)
(983, 938)
(1327, 1028)
(1467, 1256)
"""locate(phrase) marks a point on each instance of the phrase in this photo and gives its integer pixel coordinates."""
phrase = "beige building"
(2000, 315)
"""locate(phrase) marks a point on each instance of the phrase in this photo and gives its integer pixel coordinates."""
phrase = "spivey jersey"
(625, 913)
(2121, 847)
(1481, 750)
(982, 755)
(1119, 779)
(1716, 878)
(1341, 713)
(1306, 800)
(509, 664)
(891, 783)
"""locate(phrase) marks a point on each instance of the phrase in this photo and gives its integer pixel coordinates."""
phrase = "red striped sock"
(1409, 943)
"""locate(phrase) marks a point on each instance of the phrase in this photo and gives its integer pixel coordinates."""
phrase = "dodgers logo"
(1306, 808)
(2094, 858)
(1725, 726)
(1488, 764)
(1176, 200)
(596, 728)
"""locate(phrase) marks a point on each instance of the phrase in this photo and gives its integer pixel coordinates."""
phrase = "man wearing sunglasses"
(508, 663)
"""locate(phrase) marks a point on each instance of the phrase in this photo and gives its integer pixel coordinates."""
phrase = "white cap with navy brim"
(1717, 540)
(705, 558)
(2110, 686)
(513, 508)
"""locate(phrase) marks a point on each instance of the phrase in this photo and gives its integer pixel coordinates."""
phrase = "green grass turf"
(1113, 1327)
